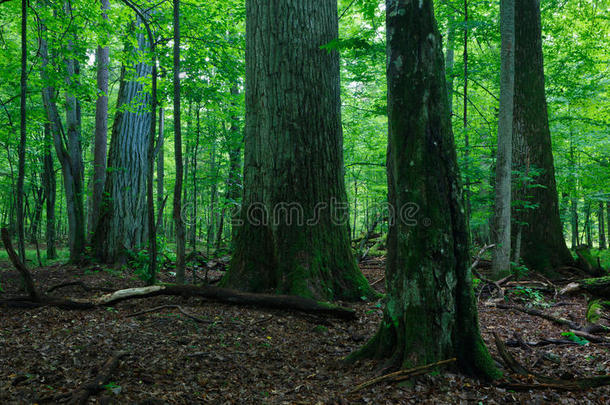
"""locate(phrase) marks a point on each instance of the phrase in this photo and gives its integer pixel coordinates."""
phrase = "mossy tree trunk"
(543, 246)
(430, 313)
(294, 238)
(123, 224)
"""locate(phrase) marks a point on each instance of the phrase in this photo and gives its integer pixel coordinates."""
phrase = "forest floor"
(248, 355)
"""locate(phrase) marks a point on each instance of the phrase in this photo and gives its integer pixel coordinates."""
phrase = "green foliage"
(571, 336)
(530, 296)
(113, 388)
(519, 270)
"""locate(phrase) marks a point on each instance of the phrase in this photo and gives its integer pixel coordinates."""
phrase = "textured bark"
(177, 214)
(430, 313)
(123, 224)
(543, 245)
(50, 190)
(501, 230)
(101, 130)
(293, 158)
(67, 147)
(22, 132)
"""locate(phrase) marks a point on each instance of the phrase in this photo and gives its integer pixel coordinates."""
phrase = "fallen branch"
(535, 312)
(400, 375)
(178, 307)
(593, 328)
(576, 384)
(83, 393)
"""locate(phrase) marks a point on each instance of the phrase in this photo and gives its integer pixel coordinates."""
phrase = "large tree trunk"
(67, 147)
(177, 213)
(502, 208)
(123, 224)
(430, 313)
(543, 245)
(50, 187)
(101, 130)
(22, 132)
(295, 233)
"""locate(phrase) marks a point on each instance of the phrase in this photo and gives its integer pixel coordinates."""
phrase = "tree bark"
(502, 208)
(543, 245)
(177, 214)
(601, 226)
(22, 131)
(101, 128)
(161, 169)
(294, 231)
(123, 224)
(50, 190)
(430, 313)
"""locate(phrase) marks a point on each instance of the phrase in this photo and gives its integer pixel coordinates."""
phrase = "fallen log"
(599, 286)
(225, 295)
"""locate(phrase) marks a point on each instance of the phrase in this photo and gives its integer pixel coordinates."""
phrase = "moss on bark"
(430, 312)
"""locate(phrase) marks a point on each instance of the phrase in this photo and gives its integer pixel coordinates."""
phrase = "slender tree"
(177, 213)
(161, 169)
(294, 236)
(601, 226)
(502, 208)
(101, 128)
(50, 187)
(430, 311)
(68, 148)
(543, 246)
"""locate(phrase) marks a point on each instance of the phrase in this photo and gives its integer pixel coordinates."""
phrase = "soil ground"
(250, 356)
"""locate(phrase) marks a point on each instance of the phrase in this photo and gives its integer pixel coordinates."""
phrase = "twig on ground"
(178, 307)
(400, 375)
